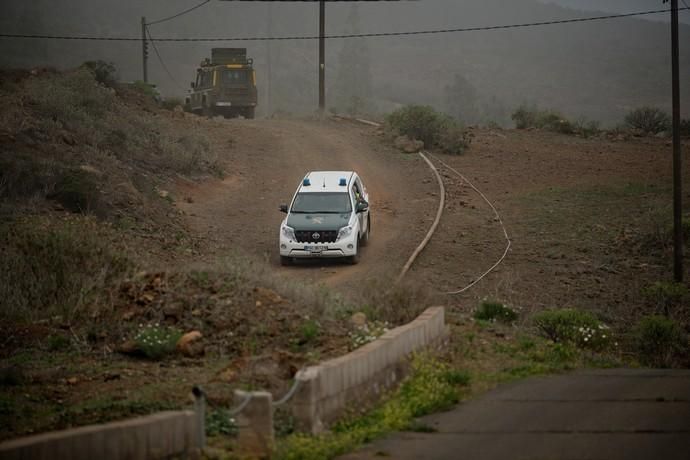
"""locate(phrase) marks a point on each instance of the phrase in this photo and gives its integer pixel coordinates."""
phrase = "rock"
(408, 145)
(227, 376)
(128, 347)
(90, 169)
(72, 380)
(359, 319)
(190, 344)
(162, 193)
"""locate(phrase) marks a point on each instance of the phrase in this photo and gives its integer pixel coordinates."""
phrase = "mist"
(598, 70)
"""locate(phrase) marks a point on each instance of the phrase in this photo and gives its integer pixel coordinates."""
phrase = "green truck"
(225, 85)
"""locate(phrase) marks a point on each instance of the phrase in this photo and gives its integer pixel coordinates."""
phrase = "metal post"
(322, 56)
(144, 49)
(677, 177)
(269, 77)
(200, 410)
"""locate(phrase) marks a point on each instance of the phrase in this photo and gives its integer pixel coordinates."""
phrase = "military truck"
(225, 85)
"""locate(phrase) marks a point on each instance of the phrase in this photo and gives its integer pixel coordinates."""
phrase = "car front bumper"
(345, 247)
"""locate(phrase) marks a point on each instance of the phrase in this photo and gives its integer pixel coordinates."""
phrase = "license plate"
(316, 248)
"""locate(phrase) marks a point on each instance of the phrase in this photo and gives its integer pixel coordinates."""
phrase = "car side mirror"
(362, 206)
(283, 208)
(193, 85)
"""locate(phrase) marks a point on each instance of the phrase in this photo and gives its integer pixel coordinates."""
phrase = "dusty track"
(268, 159)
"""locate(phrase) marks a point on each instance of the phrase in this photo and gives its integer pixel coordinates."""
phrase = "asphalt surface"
(603, 414)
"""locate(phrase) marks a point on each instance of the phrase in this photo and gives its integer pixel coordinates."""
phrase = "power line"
(178, 14)
(364, 35)
(160, 59)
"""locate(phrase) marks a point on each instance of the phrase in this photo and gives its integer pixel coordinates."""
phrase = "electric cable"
(178, 14)
(344, 36)
(160, 59)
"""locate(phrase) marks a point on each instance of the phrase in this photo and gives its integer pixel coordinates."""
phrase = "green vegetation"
(575, 327)
(659, 341)
(367, 333)
(49, 269)
(495, 311)
(156, 341)
(219, 422)
(649, 120)
(432, 386)
(309, 331)
(103, 72)
(434, 129)
(666, 296)
(526, 117)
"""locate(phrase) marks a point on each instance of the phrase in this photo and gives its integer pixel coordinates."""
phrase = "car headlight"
(288, 232)
(344, 232)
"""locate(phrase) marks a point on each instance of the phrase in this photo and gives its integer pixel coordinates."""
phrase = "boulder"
(190, 344)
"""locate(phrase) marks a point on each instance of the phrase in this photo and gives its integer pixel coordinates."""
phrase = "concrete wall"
(159, 436)
(353, 380)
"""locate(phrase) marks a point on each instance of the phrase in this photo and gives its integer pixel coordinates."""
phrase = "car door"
(359, 190)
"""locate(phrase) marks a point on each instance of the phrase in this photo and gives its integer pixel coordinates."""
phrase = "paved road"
(603, 414)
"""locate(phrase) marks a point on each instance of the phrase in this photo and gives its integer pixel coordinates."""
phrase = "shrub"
(664, 295)
(104, 72)
(453, 140)
(77, 191)
(685, 127)
(219, 421)
(48, 270)
(309, 331)
(156, 341)
(367, 333)
(648, 120)
(425, 124)
(530, 117)
(495, 311)
(572, 326)
(659, 340)
(169, 103)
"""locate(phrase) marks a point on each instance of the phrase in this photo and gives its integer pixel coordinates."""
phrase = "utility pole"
(144, 50)
(677, 164)
(269, 108)
(322, 56)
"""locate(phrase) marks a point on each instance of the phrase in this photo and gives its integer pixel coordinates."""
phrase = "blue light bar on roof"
(343, 181)
(306, 182)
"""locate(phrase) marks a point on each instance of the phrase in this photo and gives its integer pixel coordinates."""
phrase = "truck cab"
(224, 85)
(328, 217)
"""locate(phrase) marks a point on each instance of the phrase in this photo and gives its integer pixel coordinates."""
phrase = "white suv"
(328, 217)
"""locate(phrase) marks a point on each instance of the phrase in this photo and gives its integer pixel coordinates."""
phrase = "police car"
(328, 217)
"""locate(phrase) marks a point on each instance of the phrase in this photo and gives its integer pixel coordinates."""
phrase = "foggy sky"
(599, 69)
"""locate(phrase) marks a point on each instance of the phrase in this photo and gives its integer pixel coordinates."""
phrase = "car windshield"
(322, 203)
(234, 77)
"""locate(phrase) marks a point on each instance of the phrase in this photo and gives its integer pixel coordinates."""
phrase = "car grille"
(309, 236)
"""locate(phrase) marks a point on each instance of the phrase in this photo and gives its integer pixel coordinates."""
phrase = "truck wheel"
(365, 237)
(285, 261)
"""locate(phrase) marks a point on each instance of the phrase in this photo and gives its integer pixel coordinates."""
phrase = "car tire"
(365, 238)
(285, 261)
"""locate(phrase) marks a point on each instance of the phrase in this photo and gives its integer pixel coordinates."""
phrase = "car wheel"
(285, 261)
(365, 237)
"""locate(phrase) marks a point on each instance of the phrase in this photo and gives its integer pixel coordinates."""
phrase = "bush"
(572, 326)
(659, 341)
(664, 295)
(530, 117)
(104, 72)
(48, 270)
(425, 124)
(169, 103)
(156, 341)
(648, 120)
(495, 311)
(685, 127)
(77, 191)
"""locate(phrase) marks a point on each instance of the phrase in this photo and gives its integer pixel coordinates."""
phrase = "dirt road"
(269, 159)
